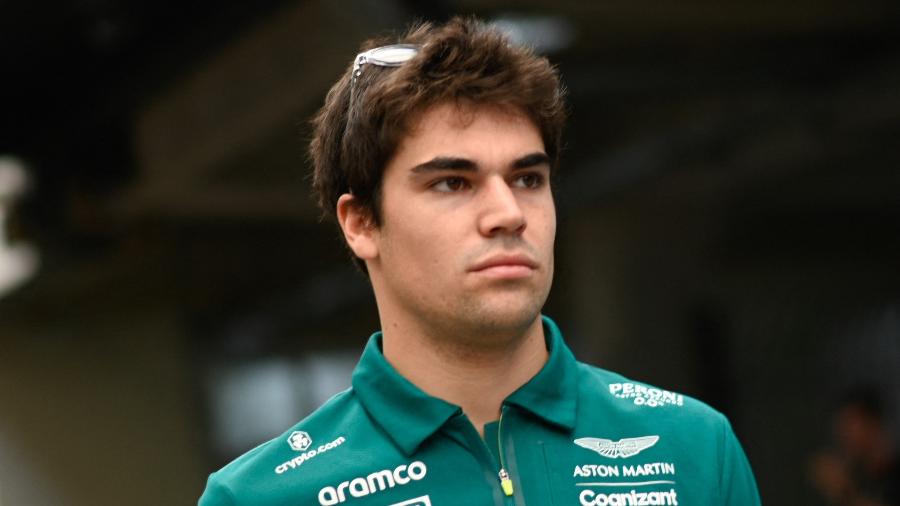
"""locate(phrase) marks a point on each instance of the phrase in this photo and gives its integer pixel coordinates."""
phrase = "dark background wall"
(729, 213)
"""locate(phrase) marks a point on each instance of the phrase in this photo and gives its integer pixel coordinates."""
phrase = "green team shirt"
(573, 435)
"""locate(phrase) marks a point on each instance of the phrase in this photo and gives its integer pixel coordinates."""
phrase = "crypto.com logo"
(299, 440)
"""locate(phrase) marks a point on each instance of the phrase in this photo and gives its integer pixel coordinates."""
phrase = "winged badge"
(624, 448)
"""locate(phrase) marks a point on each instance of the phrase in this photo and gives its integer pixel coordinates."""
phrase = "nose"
(500, 210)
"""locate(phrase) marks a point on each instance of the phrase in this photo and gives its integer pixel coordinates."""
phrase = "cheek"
(547, 226)
(414, 244)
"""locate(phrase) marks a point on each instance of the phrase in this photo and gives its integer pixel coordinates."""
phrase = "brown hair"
(465, 61)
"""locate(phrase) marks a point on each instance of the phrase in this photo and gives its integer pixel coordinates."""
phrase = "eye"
(530, 180)
(450, 184)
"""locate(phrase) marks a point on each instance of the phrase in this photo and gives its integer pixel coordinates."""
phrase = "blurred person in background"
(434, 152)
(864, 470)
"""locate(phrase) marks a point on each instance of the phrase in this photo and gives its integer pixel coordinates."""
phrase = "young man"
(434, 153)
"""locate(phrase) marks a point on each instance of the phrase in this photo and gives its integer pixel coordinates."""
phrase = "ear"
(359, 228)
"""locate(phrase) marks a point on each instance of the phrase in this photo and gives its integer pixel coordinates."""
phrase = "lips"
(499, 262)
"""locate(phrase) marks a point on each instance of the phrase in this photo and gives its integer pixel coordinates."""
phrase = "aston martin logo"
(624, 448)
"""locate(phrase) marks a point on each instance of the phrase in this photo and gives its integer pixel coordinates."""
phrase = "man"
(434, 153)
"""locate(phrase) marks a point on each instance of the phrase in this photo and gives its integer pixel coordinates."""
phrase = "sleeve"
(737, 487)
(216, 494)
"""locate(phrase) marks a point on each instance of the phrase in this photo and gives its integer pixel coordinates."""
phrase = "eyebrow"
(445, 163)
(532, 160)
(455, 163)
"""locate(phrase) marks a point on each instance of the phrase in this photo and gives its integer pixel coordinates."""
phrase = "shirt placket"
(461, 429)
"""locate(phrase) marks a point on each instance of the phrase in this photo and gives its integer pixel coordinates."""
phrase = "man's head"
(465, 61)
(437, 170)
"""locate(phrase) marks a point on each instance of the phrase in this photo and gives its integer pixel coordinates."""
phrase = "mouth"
(505, 266)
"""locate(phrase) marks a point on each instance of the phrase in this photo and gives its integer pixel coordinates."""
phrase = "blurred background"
(729, 209)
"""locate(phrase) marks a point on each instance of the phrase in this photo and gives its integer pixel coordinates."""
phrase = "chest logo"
(623, 448)
(299, 440)
(645, 396)
(374, 483)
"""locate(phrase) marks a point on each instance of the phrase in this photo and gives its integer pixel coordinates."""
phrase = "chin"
(505, 316)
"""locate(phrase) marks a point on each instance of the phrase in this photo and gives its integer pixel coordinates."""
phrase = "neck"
(478, 378)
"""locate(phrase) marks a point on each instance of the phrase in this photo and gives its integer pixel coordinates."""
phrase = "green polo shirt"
(573, 435)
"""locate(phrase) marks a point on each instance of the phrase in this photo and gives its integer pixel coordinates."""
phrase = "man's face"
(465, 245)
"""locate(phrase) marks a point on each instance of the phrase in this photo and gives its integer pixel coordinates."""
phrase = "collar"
(552, 394)
(409, 415)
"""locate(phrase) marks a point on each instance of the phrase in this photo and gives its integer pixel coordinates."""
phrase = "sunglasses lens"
(392, 55)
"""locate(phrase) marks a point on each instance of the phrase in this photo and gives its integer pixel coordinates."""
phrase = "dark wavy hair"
(464, 61)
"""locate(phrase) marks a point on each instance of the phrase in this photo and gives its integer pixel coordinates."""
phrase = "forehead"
(458, 127)
(461, 114)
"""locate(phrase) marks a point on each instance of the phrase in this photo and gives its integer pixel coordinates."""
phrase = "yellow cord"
(505, 483)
